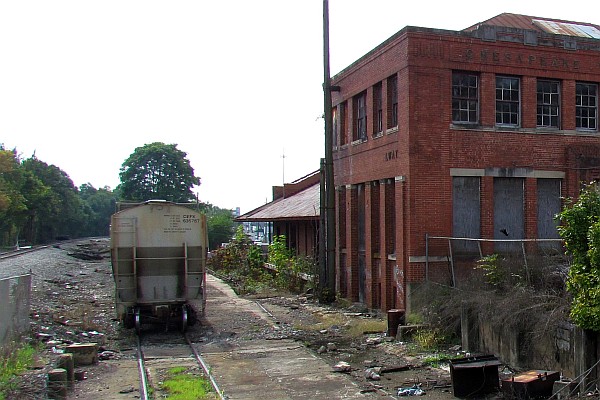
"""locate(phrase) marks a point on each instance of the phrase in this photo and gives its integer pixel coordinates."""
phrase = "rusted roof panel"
(302, 205)
(508, 20)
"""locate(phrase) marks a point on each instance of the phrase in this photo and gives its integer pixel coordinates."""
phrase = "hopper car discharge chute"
(158, 255)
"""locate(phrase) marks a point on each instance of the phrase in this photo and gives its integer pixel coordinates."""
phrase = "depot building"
(473, 134)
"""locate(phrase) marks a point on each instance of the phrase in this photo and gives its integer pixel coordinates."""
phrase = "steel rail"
(258, 303)
(20, 252)
(142, 370)
(206, 369)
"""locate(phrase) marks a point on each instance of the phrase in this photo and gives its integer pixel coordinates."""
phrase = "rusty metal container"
(530, 384)
(474, 376)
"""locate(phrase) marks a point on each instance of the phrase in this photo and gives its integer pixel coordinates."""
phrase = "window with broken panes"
(548, 103)
(465, 98)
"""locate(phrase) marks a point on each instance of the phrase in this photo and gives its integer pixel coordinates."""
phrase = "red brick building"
(473, 134)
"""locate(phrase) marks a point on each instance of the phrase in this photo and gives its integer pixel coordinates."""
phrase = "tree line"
(40, 204)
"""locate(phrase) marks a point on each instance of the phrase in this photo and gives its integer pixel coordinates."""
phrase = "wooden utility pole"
(327, 276)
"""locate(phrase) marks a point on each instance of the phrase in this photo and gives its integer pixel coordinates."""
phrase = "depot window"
(508, 101)
(343, 110)
(586, 106)
(334, 126)
(377, 109)
(465, 98)
(392, 109)
(360, 117)
(548, 103)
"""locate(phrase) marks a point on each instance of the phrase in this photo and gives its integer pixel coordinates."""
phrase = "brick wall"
(426, 145)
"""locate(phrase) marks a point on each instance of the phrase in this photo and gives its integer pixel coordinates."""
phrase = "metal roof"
(300, 206)
(547, 25)
(567, 28)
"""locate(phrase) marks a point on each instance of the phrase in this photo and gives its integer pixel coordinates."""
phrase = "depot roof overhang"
(304, 205)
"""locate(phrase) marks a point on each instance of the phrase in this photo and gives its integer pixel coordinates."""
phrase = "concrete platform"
(273, 369)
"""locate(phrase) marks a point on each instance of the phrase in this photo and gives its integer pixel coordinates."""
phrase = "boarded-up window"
(509, 212)
(548, 205)
(361, 206)
(390, 217)
(341, 208)
(466, 212)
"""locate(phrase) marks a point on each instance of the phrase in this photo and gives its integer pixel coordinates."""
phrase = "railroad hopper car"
(158, 254)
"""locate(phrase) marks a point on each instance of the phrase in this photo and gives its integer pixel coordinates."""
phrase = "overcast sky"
(235, 84)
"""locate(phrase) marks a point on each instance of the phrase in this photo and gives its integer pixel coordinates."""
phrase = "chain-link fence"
(451, 259)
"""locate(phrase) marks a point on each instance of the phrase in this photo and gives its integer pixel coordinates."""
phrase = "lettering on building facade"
(499, 57)
(487, 56)
(391, 155)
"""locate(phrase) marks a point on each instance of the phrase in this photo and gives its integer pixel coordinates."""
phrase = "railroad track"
(160, 351)
(20, 251)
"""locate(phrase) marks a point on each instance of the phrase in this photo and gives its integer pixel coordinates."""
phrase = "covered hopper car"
(158, 254)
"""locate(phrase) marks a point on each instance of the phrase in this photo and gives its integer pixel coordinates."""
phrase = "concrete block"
(57, 384)
(83, 353)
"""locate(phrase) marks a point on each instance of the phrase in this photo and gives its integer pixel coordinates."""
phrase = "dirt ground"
(72, 302)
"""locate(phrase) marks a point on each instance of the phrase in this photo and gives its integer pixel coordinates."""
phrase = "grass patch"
(414, 319)
(180, 384)
(361, 326)
(14, 360)
(354, 327)
(324, 321)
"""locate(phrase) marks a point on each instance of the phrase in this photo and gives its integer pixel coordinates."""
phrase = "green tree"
(100, 205)
(12, 201)
(157, 171)
(580, 229)
(54, 206)
(220, 225)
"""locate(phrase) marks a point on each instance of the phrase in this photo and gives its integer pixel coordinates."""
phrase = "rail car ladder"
(122, 231)
(190, 274)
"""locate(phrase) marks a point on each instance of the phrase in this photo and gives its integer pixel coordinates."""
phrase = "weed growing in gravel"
(181, 385)
(354, 327)
(14, 360)
(436, 360)
(429, 339)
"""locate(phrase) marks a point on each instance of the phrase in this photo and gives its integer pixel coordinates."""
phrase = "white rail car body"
(158, 254)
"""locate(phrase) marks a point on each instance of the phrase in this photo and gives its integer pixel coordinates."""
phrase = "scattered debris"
(373, 341)
(130, 389)
(399, 368)
(107, 355)
(373, 373)
(411, 391)
(342, 366)
(86, 255)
